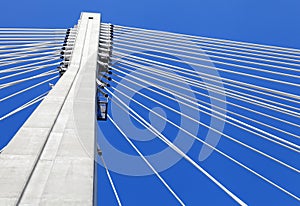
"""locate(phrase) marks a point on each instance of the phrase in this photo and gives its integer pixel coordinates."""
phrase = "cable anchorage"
(104, 71)
(66, 50)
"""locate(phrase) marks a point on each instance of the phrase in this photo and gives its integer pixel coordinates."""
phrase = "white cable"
(146, 161)
(20, 43)
(28, 70)
(27, 88)
(111, 181)
(209, 77)
(218, 89)
(21, 47)
(176, 149)
(198, 44)
(188, 50)
(236, 105)
(32, 35)
(28, 53)
(291, 146)
(28, 66)
(50, 72)
(24, 106)
(225, 80)
(31, 59)
(219, 41)
(210, 67)
(10, 33)
(208, 47)
(224, 135)
(30, 29)
(217, 150)
(202, 104)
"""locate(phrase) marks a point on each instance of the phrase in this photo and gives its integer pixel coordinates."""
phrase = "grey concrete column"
(50, 161)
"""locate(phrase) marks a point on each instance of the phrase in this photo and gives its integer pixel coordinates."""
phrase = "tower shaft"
(51, 158)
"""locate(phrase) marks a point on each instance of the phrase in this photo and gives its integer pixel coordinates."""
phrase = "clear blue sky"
(274, 22)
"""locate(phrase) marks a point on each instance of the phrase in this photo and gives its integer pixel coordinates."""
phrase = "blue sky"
(266, 22)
